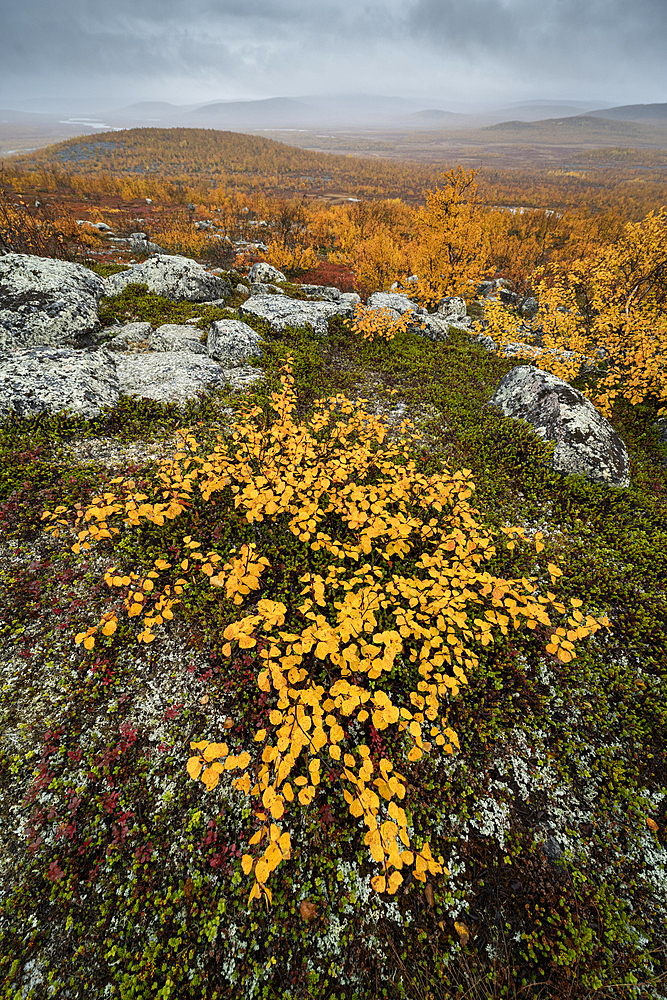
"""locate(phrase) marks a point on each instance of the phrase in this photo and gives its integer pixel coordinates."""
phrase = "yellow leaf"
(462, 931)
(89, 642)
(210, 777)
(379, 883)
(194, 767)
(277, 808)
(262, 871)
(246, 863)
(394, 881)
(214, 750)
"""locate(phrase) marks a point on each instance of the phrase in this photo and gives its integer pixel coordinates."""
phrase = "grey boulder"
(329, 293)
(169, 377)
(42, 379)
(129, 337)
(232, 342)
(452, 305)
(265, 273)
(394, 300)
(177, 278)
(174, 337)
(280, 312)
(261, 288)
(585, 442)
(46, 302)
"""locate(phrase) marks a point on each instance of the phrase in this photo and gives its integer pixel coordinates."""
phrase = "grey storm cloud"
(266, 47)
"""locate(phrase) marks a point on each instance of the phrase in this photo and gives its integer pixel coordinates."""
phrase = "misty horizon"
(434, 53)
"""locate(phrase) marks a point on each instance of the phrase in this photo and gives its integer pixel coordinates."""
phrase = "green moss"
(137, 304)
(106, 270)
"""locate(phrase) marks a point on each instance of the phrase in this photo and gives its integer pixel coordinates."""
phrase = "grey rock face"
(329, 293)
(452, 305)
(529, 307)
(129, 336)
(261, 288)
(177, 278)
(232, 342)
(586, 443)
(265, 273)
(52, 379)
(174, 337)
(45, 302)
(282, 312)
(392, 300)
(174, 376)
(243, 377)
(433, 327)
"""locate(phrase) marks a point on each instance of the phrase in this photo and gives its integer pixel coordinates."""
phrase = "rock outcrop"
(176, 337)
(232, 342)
(329, 293)
(130, 337)
(265, 273)
(280, 312)
(400, 304)
(585, 442)
(46, 302)
(169, 377)
(178, 278)
(42, 379)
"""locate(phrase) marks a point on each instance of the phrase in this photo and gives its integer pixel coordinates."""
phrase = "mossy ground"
(121, 877)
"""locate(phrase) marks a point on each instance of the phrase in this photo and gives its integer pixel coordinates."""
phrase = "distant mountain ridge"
(654, 113)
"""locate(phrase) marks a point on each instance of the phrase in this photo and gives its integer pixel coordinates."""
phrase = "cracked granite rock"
(46, 302)
(585, 442)
(177, 278)
(232, 342)
(177, 337)
(41, 379)
(280, 312)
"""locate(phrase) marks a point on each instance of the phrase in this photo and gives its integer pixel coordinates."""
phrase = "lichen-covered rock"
(232, 342)
(329, 293)
(176, 337)
(129, 337)
(265, 273)
(243, 376)
(46, 302)
(433, 327)
(280, 312)
(452, 305)
(394, 300)
(169, 377)
(585, 442)
(262, 288)
(177, 278)
(40, 379)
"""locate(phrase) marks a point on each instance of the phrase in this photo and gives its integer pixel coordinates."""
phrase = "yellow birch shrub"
(451, 249)
(377, 260)
(176, 234)
(609, 310)
(564, 346)
(297, 257)
(382, 323)
(395, 584)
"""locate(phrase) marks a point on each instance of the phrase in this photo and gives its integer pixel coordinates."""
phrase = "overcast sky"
(445, 52)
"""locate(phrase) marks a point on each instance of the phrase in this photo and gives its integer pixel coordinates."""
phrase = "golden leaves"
(383, 323)
(335, 485)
